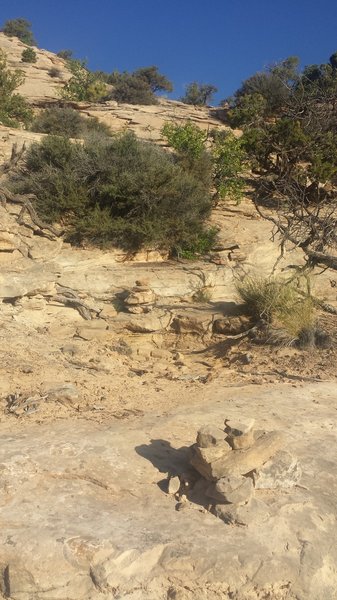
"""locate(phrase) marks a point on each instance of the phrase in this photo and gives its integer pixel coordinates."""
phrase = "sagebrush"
(119, 191)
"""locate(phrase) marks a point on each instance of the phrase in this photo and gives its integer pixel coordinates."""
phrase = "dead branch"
(25, 201)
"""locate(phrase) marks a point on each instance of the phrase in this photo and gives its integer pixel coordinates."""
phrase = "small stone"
(179, 356)
(70, 349)
(233, 490)
(283, 471)
(181, 505)
(242, 442)
(173, 485)
(235, 428)
(188, 479)
(209, 436)
(142, 283)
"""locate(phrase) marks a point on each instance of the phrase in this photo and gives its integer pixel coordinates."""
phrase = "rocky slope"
(109, 366)
(146, 121)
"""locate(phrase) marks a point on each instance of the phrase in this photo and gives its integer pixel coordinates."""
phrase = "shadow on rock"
(164, 457)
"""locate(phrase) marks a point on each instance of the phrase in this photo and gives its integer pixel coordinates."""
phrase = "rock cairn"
(233, 463)
(141, 298)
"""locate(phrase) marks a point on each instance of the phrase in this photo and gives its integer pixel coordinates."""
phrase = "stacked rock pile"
(233, 463)
(140, 299)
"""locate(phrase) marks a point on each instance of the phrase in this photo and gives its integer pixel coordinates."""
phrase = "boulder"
(283, 471)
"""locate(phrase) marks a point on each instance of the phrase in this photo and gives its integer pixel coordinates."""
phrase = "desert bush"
(279, 303)
(67, 122)
(123, 192)
(198, 94)
(20, 28)
(138, 87)
(54, 72)
(29, 55)
(83, 85)
(131, 89)
(65, 54)
(14, 110)
(155, 80)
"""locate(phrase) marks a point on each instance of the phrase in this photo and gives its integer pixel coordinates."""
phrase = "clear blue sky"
(216, 41)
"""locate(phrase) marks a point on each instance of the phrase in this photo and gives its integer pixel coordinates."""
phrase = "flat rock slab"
(83, 514)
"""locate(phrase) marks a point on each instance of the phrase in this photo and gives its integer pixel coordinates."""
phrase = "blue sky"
(220, 42)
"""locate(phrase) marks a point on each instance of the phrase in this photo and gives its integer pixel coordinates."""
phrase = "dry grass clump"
(287, 314)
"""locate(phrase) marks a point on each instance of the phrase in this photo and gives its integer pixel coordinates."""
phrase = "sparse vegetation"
(65, 54)
(118, 192)
(14, 110)
(29, 55)
(67, 122)
(54, 72)
(20, 28)
(281, 305)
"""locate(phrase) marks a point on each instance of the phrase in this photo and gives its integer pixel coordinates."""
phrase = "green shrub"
(14, 110)
(140, 86)
(229, 160)
(130, 89)
(29, 55)
(20, 28)
(122, 191)
(67, 122)
(155, 80)
(217, 159)
(198, 94)
(185, 139)
(83, 85)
